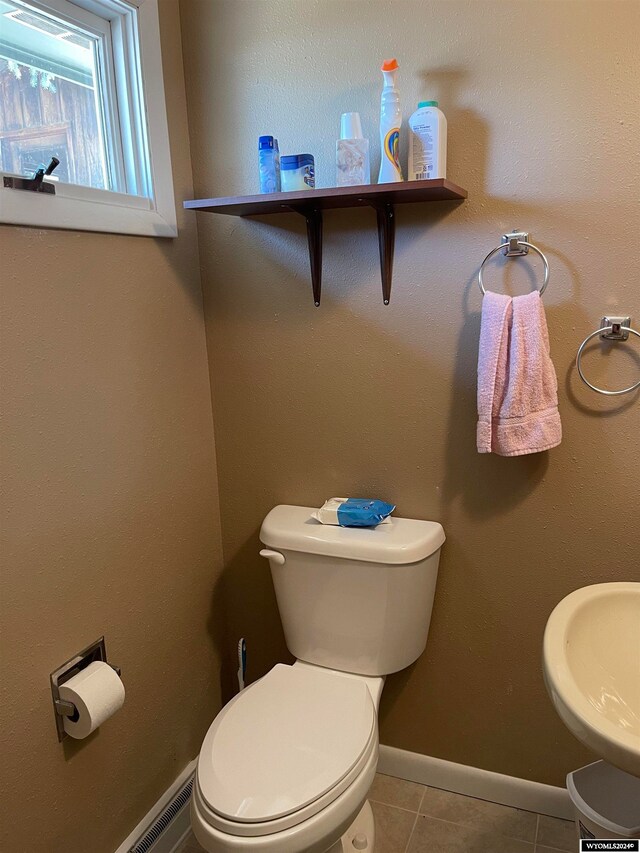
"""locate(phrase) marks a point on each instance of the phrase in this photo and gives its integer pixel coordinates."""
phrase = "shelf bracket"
(386, 242)
(313, 217)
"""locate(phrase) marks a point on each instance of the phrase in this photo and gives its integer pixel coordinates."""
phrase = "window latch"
(37, 184)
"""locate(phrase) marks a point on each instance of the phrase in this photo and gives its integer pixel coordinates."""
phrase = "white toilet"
(287, 763)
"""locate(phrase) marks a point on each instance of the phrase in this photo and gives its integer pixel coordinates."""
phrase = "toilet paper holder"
(97, 651)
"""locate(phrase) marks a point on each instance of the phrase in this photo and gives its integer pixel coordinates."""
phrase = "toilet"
(286, 765)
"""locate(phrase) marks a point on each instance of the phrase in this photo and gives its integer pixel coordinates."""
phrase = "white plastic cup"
(350, 126)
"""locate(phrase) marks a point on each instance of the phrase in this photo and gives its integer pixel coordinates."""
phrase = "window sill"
(85, 209)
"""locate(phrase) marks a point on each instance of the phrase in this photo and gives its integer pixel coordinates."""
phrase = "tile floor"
(412, 818)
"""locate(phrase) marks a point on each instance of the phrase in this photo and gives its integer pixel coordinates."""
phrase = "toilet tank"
(353, 599)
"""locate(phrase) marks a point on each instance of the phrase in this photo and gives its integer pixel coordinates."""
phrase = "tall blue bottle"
(269, 163)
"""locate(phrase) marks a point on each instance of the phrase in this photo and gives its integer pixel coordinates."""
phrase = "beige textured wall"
(110, 513)
(354, 398)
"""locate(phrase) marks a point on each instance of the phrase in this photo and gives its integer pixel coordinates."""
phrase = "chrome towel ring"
(611, 329)
(514, 244)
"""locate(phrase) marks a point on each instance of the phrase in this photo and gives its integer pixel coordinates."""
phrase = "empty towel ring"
(514, 244)
(613, 329)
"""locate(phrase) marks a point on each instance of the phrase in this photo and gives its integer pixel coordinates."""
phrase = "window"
(81, 80)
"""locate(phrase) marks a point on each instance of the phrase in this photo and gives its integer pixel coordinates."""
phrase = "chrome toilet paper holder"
(95, 652)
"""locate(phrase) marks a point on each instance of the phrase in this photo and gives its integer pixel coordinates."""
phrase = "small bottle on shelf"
(390, 124)
(427, 143)
(298, 172)
(269, 163)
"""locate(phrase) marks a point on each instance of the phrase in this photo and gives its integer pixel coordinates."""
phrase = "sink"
(591, 657)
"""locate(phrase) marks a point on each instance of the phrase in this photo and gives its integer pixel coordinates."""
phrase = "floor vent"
(164, 819)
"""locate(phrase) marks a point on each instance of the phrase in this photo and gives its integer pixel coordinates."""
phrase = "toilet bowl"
(286, 765)
(300, 749)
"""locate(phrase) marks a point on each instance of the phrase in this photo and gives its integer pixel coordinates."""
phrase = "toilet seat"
(284, 749)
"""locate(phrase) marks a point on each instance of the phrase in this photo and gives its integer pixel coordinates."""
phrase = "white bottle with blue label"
(427, 143)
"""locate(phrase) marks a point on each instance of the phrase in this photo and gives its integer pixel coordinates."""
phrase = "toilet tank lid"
(402, 541)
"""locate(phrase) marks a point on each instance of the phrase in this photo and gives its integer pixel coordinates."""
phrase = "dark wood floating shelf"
(311, 203)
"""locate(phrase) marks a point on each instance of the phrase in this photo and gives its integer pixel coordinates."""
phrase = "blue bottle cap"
(265, 142)
(295, 161)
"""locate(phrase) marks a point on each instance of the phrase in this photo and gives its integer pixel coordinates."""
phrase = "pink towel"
(517, 385)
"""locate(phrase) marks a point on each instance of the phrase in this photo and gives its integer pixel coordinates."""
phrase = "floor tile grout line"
(475, 828)
(392, 805)
(478, 829)
(545, 847)
(411, 833)
(424, 791)
(535, 839)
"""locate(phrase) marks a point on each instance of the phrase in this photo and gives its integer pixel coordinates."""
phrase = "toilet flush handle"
(278, 558)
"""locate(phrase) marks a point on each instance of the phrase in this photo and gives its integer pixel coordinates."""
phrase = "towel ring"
(514, 244)
(611, 329)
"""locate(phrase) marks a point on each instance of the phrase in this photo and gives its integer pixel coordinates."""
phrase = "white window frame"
(140, 156)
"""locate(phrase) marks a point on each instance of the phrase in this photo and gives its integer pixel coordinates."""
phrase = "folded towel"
(517, 385)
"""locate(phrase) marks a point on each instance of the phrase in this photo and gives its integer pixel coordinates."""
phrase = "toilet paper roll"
(97, 692)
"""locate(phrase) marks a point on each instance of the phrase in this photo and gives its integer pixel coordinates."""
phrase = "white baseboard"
(175, 833)
(435, 772)
(474, 782)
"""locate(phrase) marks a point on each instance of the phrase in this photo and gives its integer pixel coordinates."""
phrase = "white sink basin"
(592, 669)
